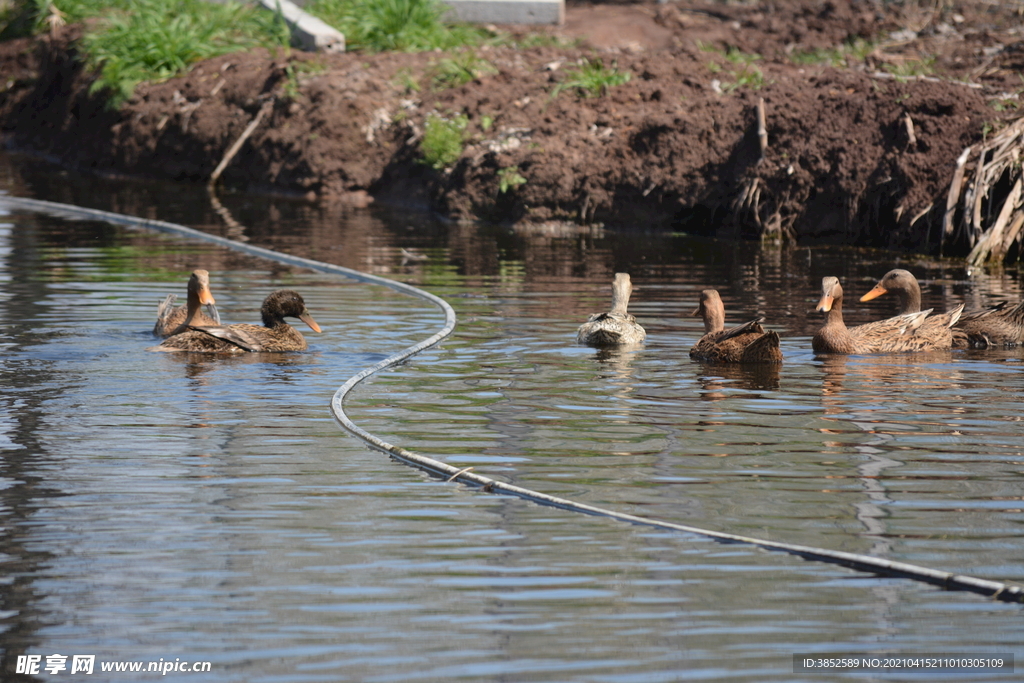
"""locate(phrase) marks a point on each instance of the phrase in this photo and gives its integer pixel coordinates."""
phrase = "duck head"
(286, 303)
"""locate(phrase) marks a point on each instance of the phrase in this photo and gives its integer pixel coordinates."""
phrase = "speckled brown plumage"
(998, 325)
(174, 320)
(274, 336)
(746, 343)
(900, 334)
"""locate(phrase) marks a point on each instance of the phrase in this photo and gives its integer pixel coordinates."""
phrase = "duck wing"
(163, 316)
(245, 337)
(891, 335)
(749, 327)
(746, 343)
(994, 326)
(764, 349)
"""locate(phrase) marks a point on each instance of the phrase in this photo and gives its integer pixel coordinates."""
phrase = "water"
(157, 507)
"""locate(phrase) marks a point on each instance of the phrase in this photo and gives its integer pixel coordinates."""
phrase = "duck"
(616, 327)
(274, 336)
(899, 334)
(997, 325)
(746, 343)
(172, 320)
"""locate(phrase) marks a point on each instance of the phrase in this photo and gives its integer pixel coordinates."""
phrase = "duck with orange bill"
(900, 334)
(274, 336)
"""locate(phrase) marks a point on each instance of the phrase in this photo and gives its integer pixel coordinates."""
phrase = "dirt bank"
(860, 154)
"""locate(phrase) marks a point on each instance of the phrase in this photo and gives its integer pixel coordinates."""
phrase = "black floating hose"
(865, 563)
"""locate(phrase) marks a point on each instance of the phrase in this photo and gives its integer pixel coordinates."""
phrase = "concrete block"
(507, 11)
(311, 33)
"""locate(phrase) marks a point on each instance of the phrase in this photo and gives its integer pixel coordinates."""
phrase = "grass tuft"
(132, 41)
(443, 140)
(459, 69)
(592, 79)
(509, 178)
(401, 25)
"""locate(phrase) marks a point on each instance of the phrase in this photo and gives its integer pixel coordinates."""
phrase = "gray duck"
(616, 327)
(172, 320)
(274, 336)
(746, 343)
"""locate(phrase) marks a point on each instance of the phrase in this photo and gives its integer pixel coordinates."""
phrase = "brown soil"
(676, 147)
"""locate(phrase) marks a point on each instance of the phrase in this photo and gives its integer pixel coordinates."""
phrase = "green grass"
(401, 25)
(509, 179)
(731, 54)
(443, 140)
(746, 75)
(461, 68)
(592, 79)
(406, 81)
(911, 68)
(153, 40)
(131, 41)
(830, 56)
(851, 53)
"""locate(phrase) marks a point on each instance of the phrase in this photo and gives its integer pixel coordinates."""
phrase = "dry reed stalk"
(989, 221)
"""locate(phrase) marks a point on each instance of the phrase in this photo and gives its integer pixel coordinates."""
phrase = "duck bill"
(878, 291)
(825, 305)
(211, 308)
(696, 313)
(308, 319)
(206, 296)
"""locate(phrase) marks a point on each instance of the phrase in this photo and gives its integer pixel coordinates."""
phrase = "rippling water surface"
(158, 506)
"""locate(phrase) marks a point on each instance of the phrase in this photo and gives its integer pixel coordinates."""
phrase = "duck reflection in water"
(617, 372)
(882, 380)
(716, 379)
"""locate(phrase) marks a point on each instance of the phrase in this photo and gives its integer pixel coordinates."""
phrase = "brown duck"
(174, 320)
(616, 327)
(747, 343)
(993, 326)
(275, 335)
(903, 333)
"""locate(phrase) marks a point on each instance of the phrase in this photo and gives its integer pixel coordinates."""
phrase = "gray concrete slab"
(311, 33)
(507, 11)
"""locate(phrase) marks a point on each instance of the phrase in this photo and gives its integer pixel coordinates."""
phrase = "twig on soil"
(931, 79)
(233, 150)
(979, 70)
(908, 123)
(762, 128)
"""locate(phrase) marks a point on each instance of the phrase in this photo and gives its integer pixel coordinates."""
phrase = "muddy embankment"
(853, 155)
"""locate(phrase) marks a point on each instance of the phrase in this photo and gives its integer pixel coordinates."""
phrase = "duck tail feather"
(749, 326)
(912, 321)
(954, 315)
